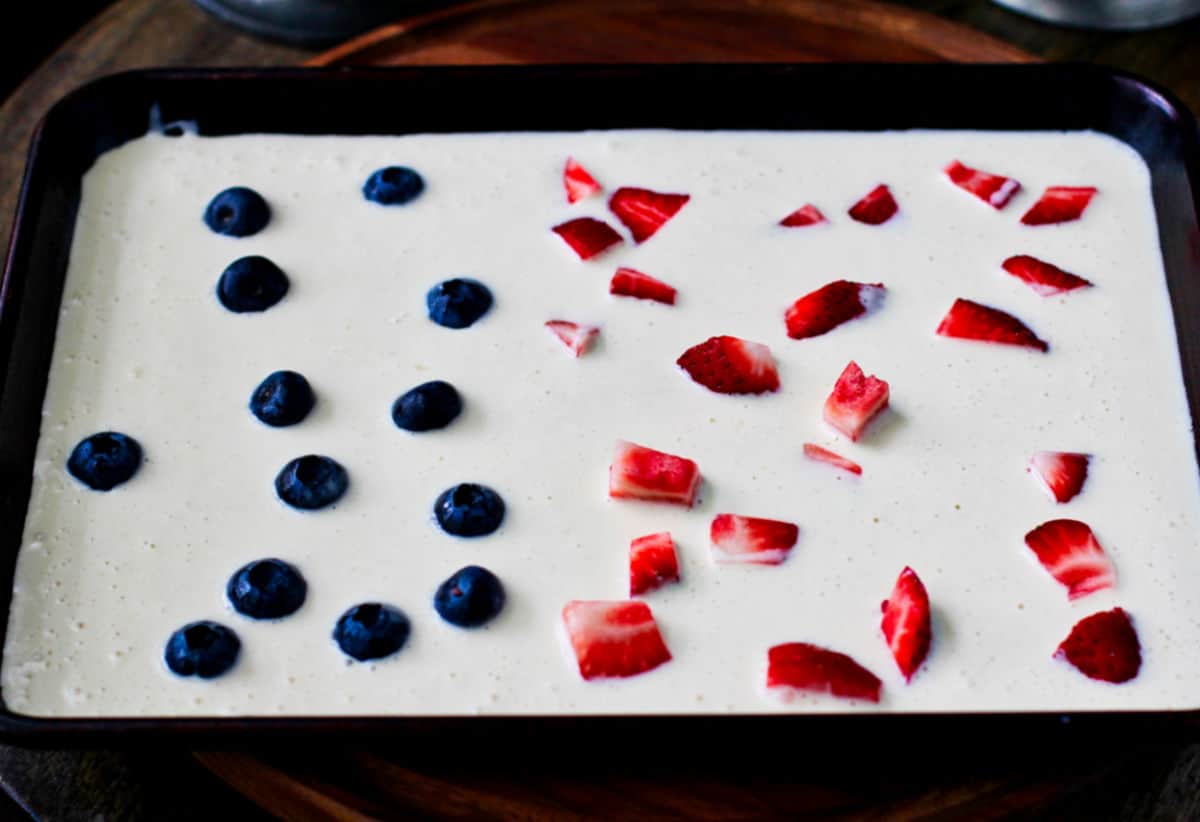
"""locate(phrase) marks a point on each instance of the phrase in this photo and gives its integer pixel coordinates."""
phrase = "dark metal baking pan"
(866, 97)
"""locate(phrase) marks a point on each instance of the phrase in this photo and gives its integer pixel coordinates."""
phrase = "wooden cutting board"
(655, 31)
(796, 777)
(326, 782)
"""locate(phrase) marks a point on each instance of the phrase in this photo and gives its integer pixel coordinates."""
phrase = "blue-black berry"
(470, 597)
(251, 284)
(393, 185)
(311, 482)
(204, 649)
(371, 631)
(283, 398)
(429, 406)
(458, 303)
(266, 589)
(469, 510)
(105, 460)
(237, 212)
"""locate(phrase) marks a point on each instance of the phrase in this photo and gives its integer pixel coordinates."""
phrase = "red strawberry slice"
(729, 365)
(823, 310)
(1042, 277)
(751, 540)
(577, 338)
(629, 282)
(643, 211)
(993, 189)
(587, 236)
(816, 452)
(969, 320)
(876, 208)
(906, 623)
(805, 215)
(578, 182)
(614, 639)
(804, 667)
(1060, 204)
(642, 473)
(855, 401)
(652, 563)
(1068, 549)
(1103, 646)
(1060, 473)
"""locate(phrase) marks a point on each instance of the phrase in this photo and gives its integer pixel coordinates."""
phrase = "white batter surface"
(145, 348)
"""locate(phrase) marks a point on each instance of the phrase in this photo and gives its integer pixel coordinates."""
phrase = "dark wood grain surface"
(489, 32)
(1121, 778)
(775, 779)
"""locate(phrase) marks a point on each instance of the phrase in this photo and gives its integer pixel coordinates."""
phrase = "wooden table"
(1131, 781)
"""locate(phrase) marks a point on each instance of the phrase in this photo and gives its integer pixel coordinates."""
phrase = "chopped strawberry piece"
(628, 282)
(876, 208)
(1042, 277)
(1103, 646)
(652, 563)
(752, 540)
(816, 452)
(729, 365)
(855, 401)
(578, 182)
(969, 320)
(587, 236)
(642, 473)
(643, 211)
(823, 310)
(614, 639)
(1060, 473)
(577, 338)
(1060, 204)
(906, 623)
(805, 667)
(804, 215)
(993, 189)
(1068, 549)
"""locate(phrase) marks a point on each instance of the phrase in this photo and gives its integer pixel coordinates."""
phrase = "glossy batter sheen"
(145, 348)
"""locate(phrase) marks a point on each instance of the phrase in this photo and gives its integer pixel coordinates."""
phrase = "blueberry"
(283, 398)
(105, 460)
(204, 649)
(471, 597)
(251, 284)
(266, 589)
(458, 303)
(428, 406)
(394, 185)
(469, 510)
(311, 482)
(371, 631)
(237, 212)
